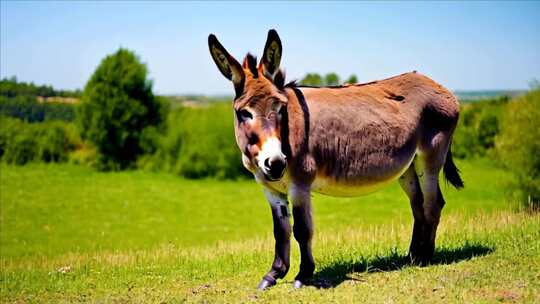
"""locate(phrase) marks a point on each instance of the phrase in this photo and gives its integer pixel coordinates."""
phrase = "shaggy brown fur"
(361, 133)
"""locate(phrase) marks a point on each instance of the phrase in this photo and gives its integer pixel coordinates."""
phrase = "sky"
(462, 45)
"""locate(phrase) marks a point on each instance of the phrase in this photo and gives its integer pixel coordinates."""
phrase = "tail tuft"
(451, 172)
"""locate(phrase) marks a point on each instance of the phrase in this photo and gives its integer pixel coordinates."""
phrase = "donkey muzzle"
(271, 161)
(274, 167)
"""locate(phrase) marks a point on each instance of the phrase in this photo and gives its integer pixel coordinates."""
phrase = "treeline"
(10, 87)
(30, 102)
(29, 109)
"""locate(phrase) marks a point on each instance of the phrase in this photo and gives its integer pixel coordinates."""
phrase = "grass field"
(70, 234)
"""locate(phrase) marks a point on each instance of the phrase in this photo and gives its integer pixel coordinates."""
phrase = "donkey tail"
(451, 172)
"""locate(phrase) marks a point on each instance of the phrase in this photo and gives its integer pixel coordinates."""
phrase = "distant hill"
(486, 94)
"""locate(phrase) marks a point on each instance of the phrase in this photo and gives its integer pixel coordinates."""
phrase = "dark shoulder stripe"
(305, 112)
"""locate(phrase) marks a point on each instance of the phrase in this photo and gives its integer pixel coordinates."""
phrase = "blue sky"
(462, 45)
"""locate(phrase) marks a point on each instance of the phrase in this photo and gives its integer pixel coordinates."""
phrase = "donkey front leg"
(282, 234)
(303, 232)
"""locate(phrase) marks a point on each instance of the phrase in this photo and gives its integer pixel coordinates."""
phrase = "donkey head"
(259, 105)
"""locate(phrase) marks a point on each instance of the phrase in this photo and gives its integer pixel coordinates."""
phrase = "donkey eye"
(244, 115)
(253, 139)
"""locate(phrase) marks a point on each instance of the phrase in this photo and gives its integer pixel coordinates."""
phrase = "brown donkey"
(342, 141)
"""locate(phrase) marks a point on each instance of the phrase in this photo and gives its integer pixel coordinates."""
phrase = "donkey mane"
(294, 84)
(251, 62)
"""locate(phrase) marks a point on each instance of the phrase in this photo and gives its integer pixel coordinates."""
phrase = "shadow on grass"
(336, 273)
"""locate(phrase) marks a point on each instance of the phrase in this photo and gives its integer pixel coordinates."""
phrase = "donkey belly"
(330, 187)
(350, 187)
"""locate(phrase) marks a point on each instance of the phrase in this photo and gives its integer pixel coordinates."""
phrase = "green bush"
(478, 125)
(488, 128)
(199, 142)
(117, 105)
(22, 142)
(518, 146)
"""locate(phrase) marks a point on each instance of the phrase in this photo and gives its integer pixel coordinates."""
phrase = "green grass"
(70, 234)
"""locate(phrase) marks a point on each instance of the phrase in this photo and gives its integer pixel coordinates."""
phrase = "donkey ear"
(227, 65)
(271, 55)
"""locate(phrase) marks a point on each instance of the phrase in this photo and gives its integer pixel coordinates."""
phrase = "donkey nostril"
(267, 163)
(277, 167)
(281, 164)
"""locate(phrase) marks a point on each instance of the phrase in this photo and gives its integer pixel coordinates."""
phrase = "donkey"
(343, 141)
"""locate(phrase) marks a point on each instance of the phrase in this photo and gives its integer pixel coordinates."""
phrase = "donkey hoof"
(265, 284)
(298, 284)
(420, 260)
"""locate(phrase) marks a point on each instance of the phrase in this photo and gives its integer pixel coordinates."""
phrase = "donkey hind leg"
(427, 167)
(282, 234)
(410, 184)
(303, 232)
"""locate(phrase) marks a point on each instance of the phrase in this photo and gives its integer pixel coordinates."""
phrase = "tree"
(352, 79)
(312, 79)
(117, 106)
(331, 79)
